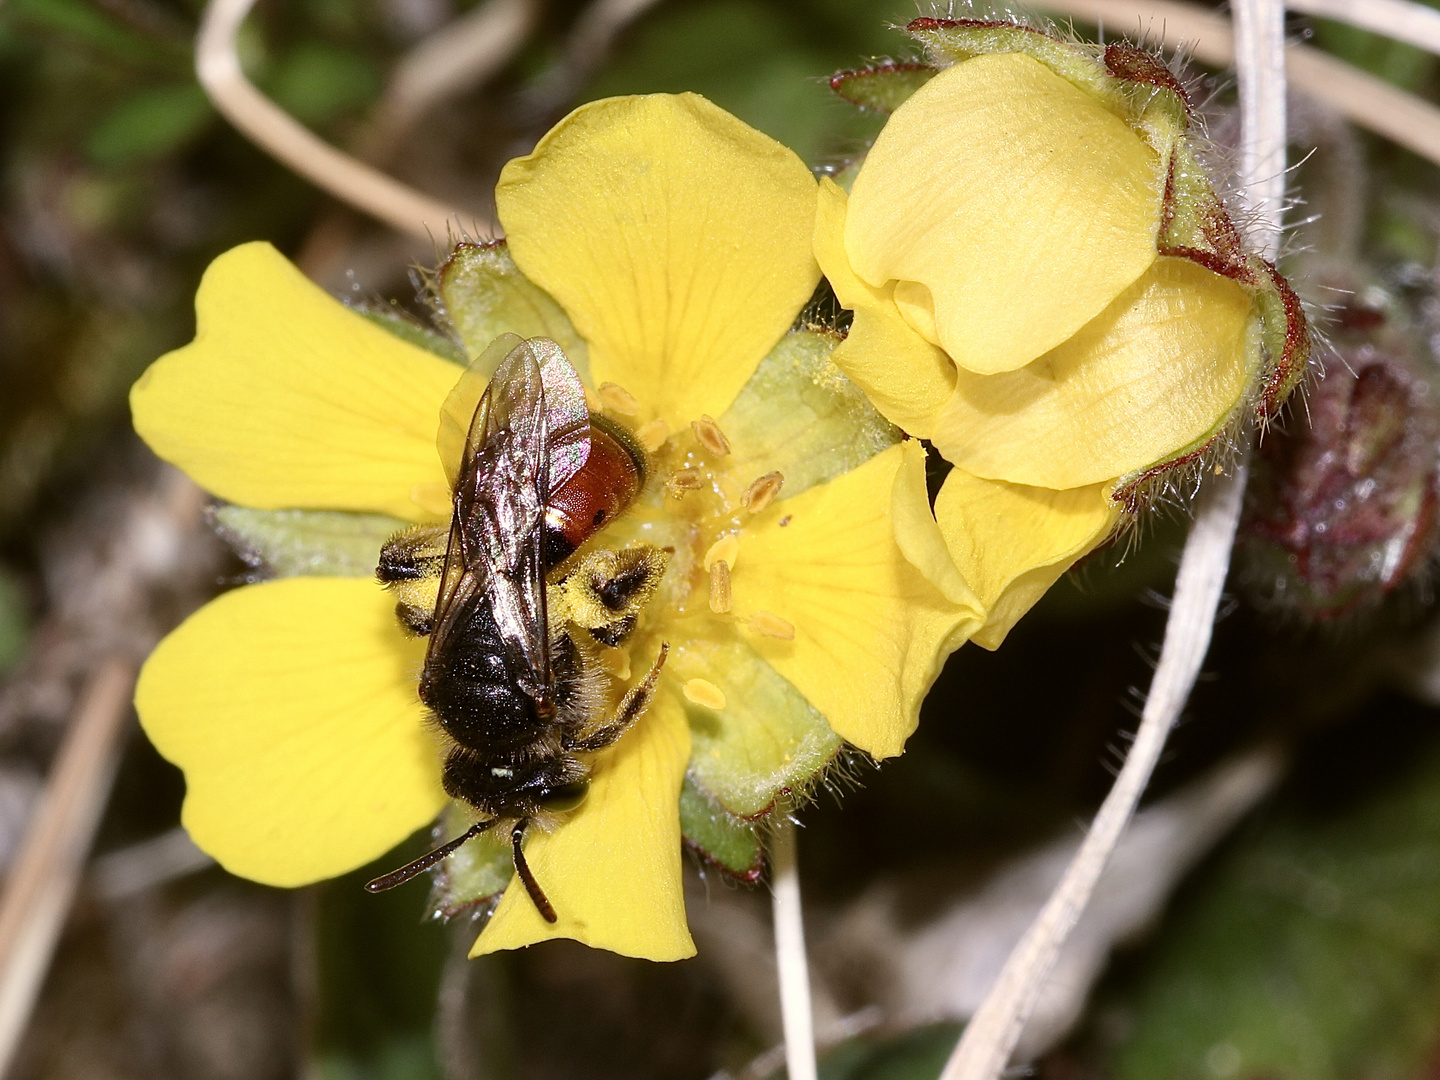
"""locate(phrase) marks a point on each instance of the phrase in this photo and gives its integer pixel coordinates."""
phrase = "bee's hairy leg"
(631, 706)
(527, 877)
(420, 865)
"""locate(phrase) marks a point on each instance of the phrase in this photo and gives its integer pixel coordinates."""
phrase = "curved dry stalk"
(217, 64)
(1370, 102)
(990, 1037)
(795, 1012)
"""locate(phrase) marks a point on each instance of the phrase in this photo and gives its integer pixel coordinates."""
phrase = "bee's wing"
(496, 537)
(566, 411)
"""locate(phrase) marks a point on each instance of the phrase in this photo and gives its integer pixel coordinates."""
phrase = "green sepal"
(407, 328)
(718, 836)
(799, 414)
(480, 869)
(767, 742)
(318, 543)
(882, 88)
(482, 294)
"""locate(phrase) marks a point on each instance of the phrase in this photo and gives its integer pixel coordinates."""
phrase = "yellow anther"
(652, 436)
(726, 549)
(617, 399)
(704, 693)
(762, 492)
(720, 586)
(708, 432)
(681, 481)
(772, 625)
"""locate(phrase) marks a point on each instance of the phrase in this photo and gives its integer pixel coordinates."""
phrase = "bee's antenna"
(420, 865)
(537, 894)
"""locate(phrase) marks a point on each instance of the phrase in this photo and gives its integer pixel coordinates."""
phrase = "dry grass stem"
(217, 64)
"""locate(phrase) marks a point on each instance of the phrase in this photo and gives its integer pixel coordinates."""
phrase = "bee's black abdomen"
(474, 689)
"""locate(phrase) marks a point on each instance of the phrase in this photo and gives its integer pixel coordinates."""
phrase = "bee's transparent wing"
(495, 551)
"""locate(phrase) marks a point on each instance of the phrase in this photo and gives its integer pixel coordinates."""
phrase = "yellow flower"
(677, 241)
(1033, 241)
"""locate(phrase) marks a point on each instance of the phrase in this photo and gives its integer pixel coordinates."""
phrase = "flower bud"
(1341, 509)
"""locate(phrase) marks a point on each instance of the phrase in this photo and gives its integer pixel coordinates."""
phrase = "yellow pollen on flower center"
(709, 435)
(652, 436)
(726, 549)
(617, 399)
(701, 692)
(772, 625)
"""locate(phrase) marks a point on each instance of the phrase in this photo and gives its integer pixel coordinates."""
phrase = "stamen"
(727, 548)
(762, 492)
(704, 693)
(710, 436)
(617, 399)
(720, 586)
(681, 481)
(652, 436)
(772, 625)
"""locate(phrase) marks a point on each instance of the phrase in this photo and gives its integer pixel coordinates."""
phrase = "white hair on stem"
(989, 1039)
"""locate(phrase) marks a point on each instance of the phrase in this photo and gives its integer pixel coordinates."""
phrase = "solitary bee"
(519, 697)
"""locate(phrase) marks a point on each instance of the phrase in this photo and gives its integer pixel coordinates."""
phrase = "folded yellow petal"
(612, 869)
(1011, 543)
(906, 377)
(674, 236)
(1157, 373)
(870, 632)
(1019, 202)
(287, 399)
(291, 708)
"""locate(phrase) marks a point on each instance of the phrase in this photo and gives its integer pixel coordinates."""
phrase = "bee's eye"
(564, 799)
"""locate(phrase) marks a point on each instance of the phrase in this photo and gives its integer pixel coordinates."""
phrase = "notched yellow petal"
(907, 378)
(675, 237)
(1162, 367)
(1011, 543)
(291, 708)
(1018, 201)
(287, 399)
(612, 868)
(869, 631)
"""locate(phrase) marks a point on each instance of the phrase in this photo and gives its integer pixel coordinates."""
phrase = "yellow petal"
(1160, 370)
(1011, 543)
(612, 868)
(287, 399)
(676, 238)
(871, 633)
(906, 378)
(1018, 201)
(291, 708)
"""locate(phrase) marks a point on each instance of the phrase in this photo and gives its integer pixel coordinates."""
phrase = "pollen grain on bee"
(725, 549)
(771, 625)
(702, 692)
(762, 491)
(709, 435)
(652, 436)
(720, 587)
(617, 399)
